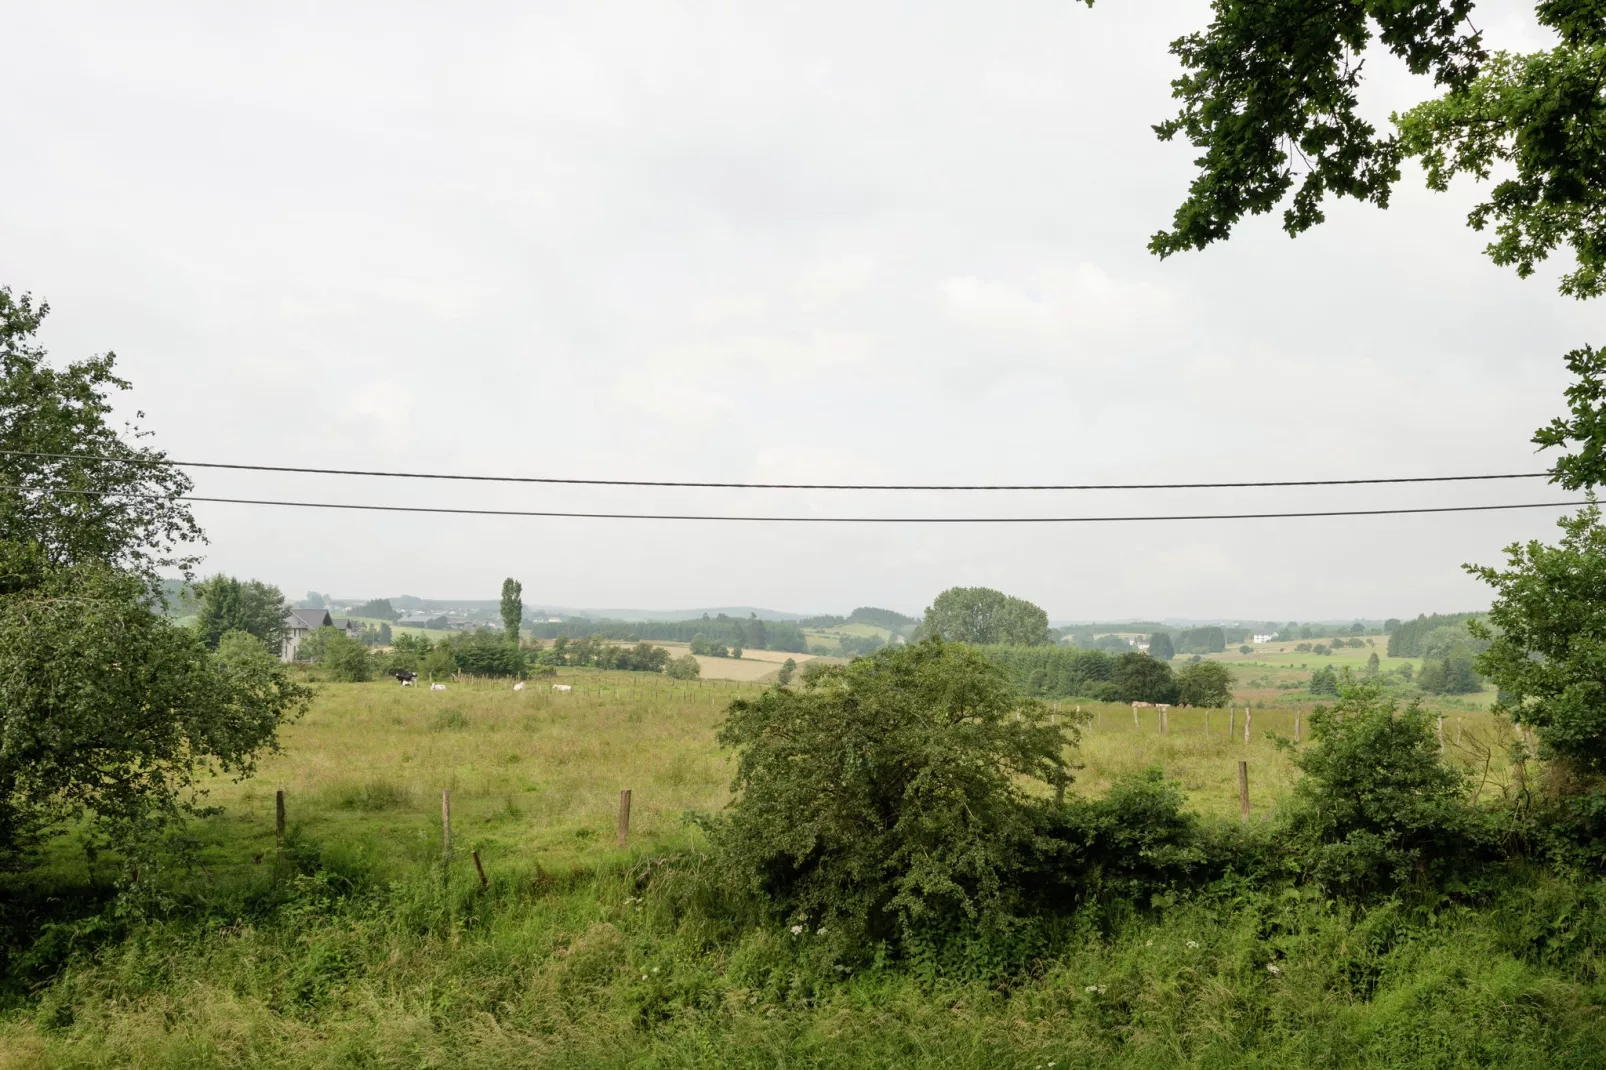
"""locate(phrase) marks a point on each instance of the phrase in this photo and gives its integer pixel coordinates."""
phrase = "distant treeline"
(1410, 639)
(889, 619)
(1052, 671)
(749, 633)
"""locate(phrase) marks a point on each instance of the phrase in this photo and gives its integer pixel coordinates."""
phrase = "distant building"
(302, 623)
(423, 620)
(347, 625)
(1261, 638)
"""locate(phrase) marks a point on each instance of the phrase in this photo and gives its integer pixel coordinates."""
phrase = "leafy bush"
(890, 794)
(1204, 683)
(685, 667)
(483, 652)
(1140, 678)
(1324, 681)
(345, 658)
(1135, 842)
(1376, 808)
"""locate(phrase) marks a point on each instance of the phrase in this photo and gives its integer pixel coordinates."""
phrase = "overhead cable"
(576, 481)
(828, 519)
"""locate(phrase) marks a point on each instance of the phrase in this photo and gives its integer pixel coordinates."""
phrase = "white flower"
(820, 931)
(655, 969)
(1272, 968)
(1193, 943)
(797, 930)
(1095, 988)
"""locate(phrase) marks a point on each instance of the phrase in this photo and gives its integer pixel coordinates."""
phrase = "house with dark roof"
(300, 624)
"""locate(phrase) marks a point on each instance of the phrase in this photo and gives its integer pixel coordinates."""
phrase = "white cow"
(437, 687)
(562, 687)
(519, 686)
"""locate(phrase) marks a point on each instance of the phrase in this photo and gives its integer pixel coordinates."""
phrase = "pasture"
(363, 946)
(535, 775)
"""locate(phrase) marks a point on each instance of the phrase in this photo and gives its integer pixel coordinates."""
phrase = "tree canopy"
(1270, 95)
(253, 607)
(512, 608)
(983, 615)
(1547, 639)
(106, 704)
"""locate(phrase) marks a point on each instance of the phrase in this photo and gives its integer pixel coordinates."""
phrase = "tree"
(1547, 639)
(1375, 804)
(254, 607)
(888, 794)
(1324, 681)
(1391, 625)
(981, 615)
(512, 608)
(784, 677)
(1372, 666)
(376, 609)
(736, 652)
(1204, 683)
(685, 667)
(71, 488)
(1268, 85)
(106, 704)
(1140, 678)
(1160, 648)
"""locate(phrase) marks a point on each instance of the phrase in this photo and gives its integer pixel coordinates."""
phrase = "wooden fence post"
(1296, 726)
(1232, 722)
(1246, 725)
(1243, 789)
(484, 884)
(1207, 722)
(446, 822)
(624, 816)
(278, 819)
(1441, 733)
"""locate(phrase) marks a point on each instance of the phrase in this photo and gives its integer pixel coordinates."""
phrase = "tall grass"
(363, 946)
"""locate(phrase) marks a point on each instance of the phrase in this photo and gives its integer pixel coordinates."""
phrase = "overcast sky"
(781, 242)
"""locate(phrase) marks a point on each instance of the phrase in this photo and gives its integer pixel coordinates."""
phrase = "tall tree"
(1547, 640)
(512, 608)
(106, 704)
(253, 607)
(1160, 647)
(73, 489)
(1270, 97)
(983, 615)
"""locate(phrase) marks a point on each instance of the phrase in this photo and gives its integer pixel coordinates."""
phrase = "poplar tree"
(512, 608)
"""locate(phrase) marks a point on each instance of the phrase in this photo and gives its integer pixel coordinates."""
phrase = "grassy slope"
(565, 961)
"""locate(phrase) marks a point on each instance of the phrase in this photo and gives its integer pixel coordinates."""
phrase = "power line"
(833, 519)
(572, 481)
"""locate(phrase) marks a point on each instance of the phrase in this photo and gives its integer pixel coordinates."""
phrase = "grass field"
(370, 954)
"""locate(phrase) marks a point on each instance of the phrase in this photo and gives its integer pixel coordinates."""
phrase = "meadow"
(361, 943)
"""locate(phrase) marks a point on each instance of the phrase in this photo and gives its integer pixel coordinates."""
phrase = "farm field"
(365, 946)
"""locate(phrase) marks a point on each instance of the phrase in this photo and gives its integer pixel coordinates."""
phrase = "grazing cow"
(437, 687)
(562, 687)
(405, 678)
(519, 686)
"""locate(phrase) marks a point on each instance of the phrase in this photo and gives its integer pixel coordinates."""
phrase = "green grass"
(365, 948)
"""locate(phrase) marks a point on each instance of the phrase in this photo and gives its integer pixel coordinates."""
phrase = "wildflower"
(1193, 943)
(655, 969)
(797, 930)
(820, 931)
(1273, 969)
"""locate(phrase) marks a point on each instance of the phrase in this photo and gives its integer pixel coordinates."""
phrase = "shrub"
(784, 677)
(685, 667)
(1376, 808)
(1205, 683)
(1324, 681)
(1140, 678)
(889, 795)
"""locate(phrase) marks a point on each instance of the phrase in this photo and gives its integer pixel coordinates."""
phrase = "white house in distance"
(302, 623)
(1261, 638)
